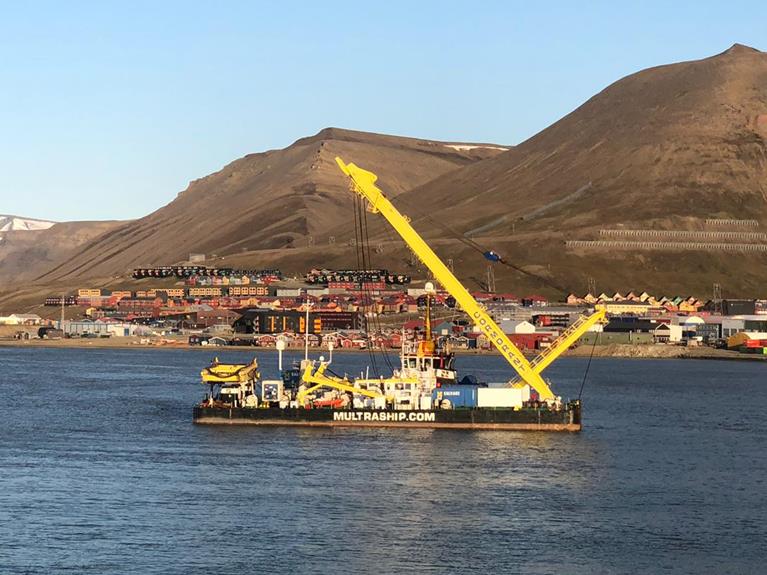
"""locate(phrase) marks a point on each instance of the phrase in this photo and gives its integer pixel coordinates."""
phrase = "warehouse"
(280, 321)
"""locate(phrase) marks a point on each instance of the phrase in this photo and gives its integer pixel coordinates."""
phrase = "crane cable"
(588, 365)
(364, 235)
(379, 328)
(364, 264)
(360, 266)
(479, 248)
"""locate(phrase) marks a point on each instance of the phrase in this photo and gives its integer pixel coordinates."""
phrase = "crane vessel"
(423, 392)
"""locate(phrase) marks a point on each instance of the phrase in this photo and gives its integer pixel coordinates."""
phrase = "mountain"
(29, 246)
(668, 152)
(665, 149)
(26, 253)
(275, 200)
(14, 223)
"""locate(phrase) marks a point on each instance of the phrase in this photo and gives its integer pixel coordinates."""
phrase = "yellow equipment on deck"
(218, 372)
(318, 379)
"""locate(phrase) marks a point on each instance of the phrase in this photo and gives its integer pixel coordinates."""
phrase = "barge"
(525, 419)
(424, 392)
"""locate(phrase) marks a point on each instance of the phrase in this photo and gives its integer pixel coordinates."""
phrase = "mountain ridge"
(276, 199)
(26, 254)
(666, 148)
(646, 125)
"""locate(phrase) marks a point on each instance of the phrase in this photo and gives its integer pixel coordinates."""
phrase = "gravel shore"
(654, 351)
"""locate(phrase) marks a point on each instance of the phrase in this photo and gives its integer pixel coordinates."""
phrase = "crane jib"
(363, 183)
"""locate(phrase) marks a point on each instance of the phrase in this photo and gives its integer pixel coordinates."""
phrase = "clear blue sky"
(109, 109)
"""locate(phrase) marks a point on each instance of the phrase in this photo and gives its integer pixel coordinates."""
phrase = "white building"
(106, 329)
(667, 333)
(20, 319)
(516, 326)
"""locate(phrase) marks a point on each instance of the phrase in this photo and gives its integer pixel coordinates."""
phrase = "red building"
(529, 341)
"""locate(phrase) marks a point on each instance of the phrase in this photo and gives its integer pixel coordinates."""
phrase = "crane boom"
(363, 184)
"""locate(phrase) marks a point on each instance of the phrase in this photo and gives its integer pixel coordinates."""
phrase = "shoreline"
(623, 351)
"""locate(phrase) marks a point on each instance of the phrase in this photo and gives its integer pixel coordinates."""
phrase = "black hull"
(527, 419)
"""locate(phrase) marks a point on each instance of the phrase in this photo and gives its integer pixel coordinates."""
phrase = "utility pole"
(280, 343)
(717, 299)
(490, 278)
(414, 261)
(306, 334)
(592, 287)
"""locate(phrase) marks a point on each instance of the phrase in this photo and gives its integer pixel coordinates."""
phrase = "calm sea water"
(102, 471)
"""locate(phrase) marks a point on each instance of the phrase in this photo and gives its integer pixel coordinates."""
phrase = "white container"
(501, 397)
(426, 402)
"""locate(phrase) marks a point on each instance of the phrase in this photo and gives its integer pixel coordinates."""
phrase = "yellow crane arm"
(363, 183)
(319, 380)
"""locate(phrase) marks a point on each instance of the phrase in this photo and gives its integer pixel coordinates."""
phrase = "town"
(351, 309)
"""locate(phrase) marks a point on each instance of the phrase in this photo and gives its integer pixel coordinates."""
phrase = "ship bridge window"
(411, 362)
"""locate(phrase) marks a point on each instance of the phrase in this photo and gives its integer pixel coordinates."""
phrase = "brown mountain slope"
(665, 148)
(26, 254)
(276, 199)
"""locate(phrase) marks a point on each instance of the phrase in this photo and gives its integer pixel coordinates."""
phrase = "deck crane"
(363, 183)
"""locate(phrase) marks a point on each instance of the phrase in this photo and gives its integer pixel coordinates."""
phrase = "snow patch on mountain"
(467, 147)
(14, 223)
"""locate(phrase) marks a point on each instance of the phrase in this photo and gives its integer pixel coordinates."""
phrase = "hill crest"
(278, 199)
(666, 148)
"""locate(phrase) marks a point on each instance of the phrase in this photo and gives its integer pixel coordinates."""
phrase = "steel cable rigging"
(364, 264)
(361, 267)
(488, 254)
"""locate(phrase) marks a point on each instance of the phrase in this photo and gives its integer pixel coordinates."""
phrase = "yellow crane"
(363, 183)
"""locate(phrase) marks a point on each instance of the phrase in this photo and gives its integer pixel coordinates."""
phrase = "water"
(103, 472)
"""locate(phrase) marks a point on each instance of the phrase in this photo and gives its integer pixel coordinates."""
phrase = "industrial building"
(280, 321)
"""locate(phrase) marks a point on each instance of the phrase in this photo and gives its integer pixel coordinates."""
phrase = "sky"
(109, 109)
